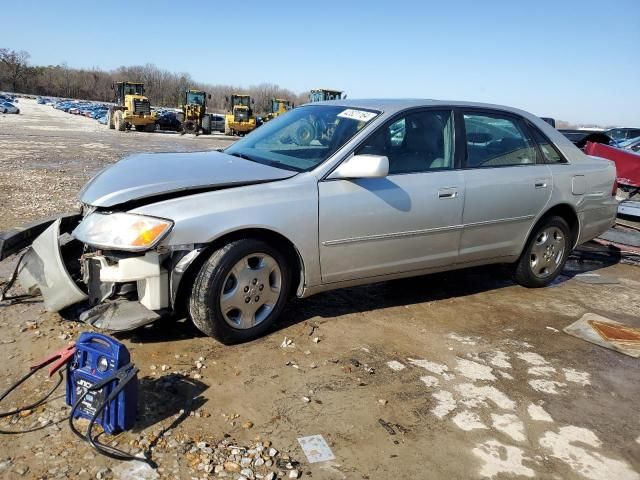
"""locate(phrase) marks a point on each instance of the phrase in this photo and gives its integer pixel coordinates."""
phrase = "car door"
(409, 220)
(506, 185)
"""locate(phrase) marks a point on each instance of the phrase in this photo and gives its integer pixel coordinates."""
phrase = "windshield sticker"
(359, 115)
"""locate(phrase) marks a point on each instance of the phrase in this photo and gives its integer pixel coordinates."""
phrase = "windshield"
(133, 89)
(195, 97)
(243, 101)
(303, 138)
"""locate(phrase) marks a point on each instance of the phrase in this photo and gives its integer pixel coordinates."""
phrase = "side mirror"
(362, 166)
(209, 96)
(226, 99)
(344, 97)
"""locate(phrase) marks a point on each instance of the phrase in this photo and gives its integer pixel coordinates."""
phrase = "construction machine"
(323, 94)
(239, 118)
(277, 107)
(194, 116)
(131, 109)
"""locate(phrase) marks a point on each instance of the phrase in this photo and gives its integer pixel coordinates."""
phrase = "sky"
(571, 60)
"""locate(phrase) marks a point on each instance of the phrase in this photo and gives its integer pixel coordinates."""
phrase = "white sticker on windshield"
(359, 115)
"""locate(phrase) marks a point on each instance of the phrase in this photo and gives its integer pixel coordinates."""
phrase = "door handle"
(541, 184)
(447, 193)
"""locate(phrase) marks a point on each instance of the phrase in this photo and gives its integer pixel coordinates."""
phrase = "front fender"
(287, 207)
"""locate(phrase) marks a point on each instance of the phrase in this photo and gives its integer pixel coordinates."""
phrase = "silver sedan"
(328, 195)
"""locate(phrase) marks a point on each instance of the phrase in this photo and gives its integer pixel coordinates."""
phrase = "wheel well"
(569, 215)
(275, 239)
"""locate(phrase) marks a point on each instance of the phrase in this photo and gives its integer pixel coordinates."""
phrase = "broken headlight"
(122, 231)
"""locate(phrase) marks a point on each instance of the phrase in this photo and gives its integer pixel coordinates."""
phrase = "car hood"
(151, 175)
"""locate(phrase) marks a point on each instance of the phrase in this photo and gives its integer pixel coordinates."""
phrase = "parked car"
(217, 122)
(328, 195)
(632, 144)
(581, 137)
(168, 121)
(8, 107)
(621, 134)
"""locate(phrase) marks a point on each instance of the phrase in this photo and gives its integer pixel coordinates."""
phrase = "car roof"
(396, 105)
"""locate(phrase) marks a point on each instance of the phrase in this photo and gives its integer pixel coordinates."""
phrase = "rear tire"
(243, 269)
(150, 128)
(139, 128)
(546, 253)
(110, 123)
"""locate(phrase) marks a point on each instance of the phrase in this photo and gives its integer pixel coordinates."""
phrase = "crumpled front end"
(111, 290)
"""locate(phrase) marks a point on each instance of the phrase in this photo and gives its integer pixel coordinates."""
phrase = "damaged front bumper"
(111, 290)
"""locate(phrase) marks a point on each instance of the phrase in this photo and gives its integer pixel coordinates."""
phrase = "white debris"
(542, 371)
(477, 396)
(538, 414)
(555, 330)
(430, 381)
(474, 370)
(506, 375)
(509, 424)
(446, 403)
(499, 459)
(546, 386)
(287, 343)
(568, 445)
(433, 367)
(532, 358)
(500, 359)
(576, 376)
(395, 365)
(463, 340)
(468, 421)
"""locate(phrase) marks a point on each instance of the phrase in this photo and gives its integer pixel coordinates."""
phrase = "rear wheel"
(110, 123)
(150, 128)
(545, 254)
(240, 291)
(139, 128)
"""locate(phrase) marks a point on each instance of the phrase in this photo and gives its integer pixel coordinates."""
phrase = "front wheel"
(240, 291)
(545, 254)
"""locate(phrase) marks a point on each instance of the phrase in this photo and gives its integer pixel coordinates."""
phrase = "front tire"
(546, 253)
(240, 291)
(118, 121)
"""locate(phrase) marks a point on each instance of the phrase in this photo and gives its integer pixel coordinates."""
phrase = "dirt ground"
(455, 376)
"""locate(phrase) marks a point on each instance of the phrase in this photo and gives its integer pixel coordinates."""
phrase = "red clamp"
(59, 359)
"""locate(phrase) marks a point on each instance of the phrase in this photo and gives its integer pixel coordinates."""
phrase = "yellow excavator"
(323, 94)
(239, 119)
(131, 109)
(194, 118)
(277, 107)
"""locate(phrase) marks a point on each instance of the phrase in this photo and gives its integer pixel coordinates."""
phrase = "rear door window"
(550, 153)
(496, 140)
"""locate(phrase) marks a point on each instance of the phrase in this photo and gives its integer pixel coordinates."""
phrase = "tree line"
(164, 88)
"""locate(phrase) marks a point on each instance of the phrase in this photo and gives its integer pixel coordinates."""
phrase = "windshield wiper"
(263, 161)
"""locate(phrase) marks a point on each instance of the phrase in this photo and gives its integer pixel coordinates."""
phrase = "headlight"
(122, 231)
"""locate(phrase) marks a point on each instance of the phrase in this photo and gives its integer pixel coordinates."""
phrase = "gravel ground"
(457, 376)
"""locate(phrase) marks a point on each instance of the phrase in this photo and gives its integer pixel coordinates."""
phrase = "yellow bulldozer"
(194, 118)
(323, 94)
(277, 107)
(239, 119)
(131, 109)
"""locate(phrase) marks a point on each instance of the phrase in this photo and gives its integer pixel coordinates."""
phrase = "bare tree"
(15, 65)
